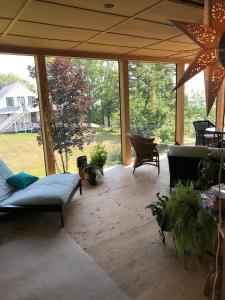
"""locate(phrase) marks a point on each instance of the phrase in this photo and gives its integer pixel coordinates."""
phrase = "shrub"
(99, 156)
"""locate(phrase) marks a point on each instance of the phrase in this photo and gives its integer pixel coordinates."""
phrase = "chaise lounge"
(50, 193)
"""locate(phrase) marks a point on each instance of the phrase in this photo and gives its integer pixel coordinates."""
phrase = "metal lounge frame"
(42, 208)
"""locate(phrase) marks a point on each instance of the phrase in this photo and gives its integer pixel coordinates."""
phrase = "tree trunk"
(66, 160)
(62, 160)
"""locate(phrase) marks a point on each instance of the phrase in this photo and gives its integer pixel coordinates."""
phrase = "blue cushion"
(21, 180)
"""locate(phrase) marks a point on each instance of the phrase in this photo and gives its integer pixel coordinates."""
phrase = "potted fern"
(185, 217)
(192, 226)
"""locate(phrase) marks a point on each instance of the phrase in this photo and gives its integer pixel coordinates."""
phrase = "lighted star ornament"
(211, 57)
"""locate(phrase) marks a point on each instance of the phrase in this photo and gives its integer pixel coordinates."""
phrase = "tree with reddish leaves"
(69, 94)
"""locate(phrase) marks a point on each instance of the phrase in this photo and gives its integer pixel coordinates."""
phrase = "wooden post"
(180, 106)
(220, 107)
(45, 113)
(124, 111)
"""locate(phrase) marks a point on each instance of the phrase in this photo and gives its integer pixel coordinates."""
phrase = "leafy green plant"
(99, 156)
(192, 226)
(208, 171)
(158, 208)
(90, 169)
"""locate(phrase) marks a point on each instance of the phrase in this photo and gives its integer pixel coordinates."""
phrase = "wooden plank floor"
(110, 222)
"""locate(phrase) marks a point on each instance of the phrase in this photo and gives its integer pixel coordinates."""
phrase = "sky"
(18, 64)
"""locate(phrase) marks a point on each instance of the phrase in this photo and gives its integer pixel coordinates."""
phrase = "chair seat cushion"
(209, 136)
(49, 190)
(188, 151)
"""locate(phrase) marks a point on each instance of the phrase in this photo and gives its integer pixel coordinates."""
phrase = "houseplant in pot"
(192, 226)
(185, 217)
(99, 156)
(91, 171)
(208, 171)
(158, 209)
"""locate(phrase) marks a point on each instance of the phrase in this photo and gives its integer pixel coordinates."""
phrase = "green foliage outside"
(152, 106)
(195, 109)
(7, 79)
(152, 101)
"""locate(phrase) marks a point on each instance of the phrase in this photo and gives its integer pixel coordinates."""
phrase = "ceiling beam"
(9, 49)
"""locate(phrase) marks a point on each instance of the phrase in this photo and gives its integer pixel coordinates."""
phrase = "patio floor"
(111, 224)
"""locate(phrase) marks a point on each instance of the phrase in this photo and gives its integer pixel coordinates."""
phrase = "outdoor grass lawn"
(21, 151)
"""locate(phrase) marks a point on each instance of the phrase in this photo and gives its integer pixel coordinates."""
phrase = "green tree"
(69, 92)
(103, 77)
(9, 78)
(152, 101)
(195, 109)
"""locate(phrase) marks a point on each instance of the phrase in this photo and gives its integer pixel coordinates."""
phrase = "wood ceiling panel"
(123, 7)
(174, 46)
(152, 52)
(185, 54)
(124, 40)
(148, 29)
(183, 39)
(3, 24)
(103, 48)
(171, 10)
(52, 32)
(37, 43)
(9, 8)
(66, 16)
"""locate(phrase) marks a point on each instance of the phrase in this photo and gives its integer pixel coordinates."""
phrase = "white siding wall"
(17, 90)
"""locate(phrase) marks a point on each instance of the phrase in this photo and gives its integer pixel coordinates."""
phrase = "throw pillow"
(21, 180)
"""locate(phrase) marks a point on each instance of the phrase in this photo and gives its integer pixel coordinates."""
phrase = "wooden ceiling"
(131, 28)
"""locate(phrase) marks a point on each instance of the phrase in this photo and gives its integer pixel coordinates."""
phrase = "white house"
(18, 112)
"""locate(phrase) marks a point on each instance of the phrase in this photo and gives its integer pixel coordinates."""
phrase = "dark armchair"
(145, 150)
(202, 136)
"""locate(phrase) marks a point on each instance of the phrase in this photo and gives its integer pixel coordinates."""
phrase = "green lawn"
(21, 151)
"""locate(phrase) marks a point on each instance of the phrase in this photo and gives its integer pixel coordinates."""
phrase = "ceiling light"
(108, 5)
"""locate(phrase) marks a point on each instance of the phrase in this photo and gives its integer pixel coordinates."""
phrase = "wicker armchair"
(202, 137)
(145, 150)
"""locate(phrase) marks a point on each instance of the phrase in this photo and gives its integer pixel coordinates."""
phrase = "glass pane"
(86, 109)
(195, 107)
(152, 101)
(19, 122)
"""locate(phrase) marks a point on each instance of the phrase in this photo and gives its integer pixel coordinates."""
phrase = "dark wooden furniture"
(219, 133)
(145, 150)
(203, 137)
(183, 168)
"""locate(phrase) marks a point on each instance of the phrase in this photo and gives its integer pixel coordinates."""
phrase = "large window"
(19, 147)
(195, 107)
(86, 109)
(152, 101)
(9, 101)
